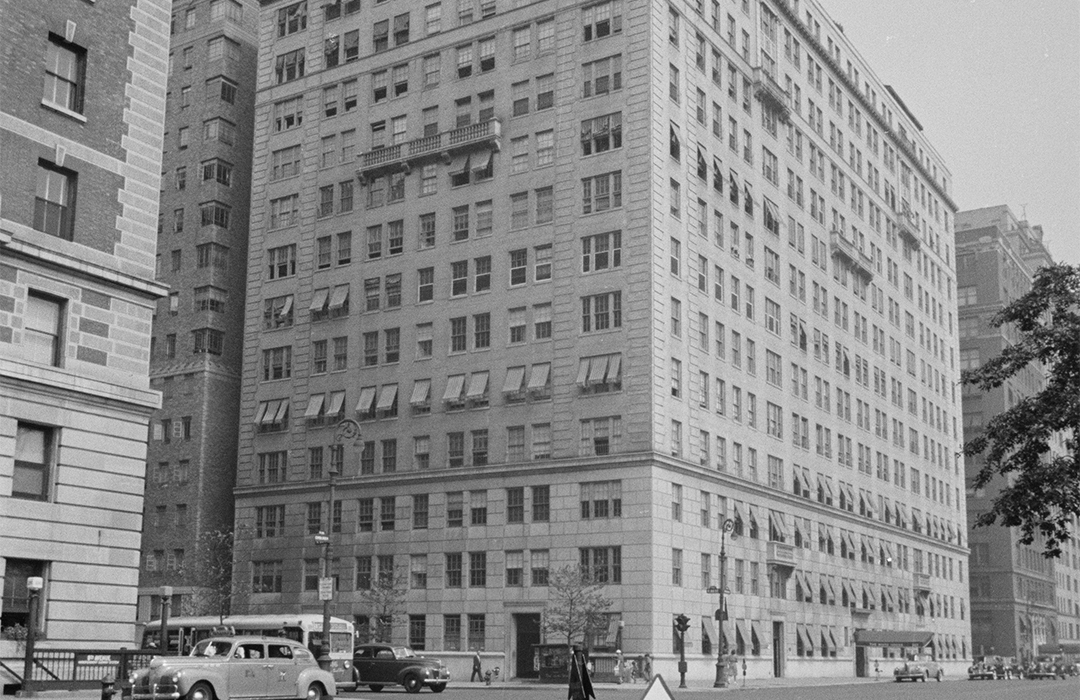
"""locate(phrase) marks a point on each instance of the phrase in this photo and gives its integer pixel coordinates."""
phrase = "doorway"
(778, 649)
(861, 671)
(528, 635)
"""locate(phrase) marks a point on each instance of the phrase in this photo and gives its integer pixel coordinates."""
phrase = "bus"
(186, 631)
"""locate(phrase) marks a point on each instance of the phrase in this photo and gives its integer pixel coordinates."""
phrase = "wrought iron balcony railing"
(860, 261)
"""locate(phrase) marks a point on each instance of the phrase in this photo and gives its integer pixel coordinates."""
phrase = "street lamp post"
(166, 601)
(34, 584)
(682, 623)
(721, 613)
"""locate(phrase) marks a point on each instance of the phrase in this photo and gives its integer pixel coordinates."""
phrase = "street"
(832, 689)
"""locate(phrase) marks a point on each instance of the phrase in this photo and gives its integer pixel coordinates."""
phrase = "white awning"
(708, 628)
(367, 398)
(460, 164)
(804, 477)
(282, 411)
(387, 397)
(477, 385)
(804, 634)
(264, 408)
(454, 385)
(515, 376)
(341, 294)
(780, 524)
(538, 375)
(286, 307)
(614, 369)
(337, 402)
(314, 405)
(318, 300)
(484, 161)
(598, 369)
(421, 392)
(583, 372)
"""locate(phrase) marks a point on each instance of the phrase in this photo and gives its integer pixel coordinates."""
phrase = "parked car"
(918, 669)
(380, 665)
(228, 668)
(980, 671)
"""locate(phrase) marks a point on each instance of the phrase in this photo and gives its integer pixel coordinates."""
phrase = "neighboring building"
(82, 104)
(592, 279)
(1020, 600)
(202, 244)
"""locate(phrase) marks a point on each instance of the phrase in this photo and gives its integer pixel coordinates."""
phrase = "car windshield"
(212, 647)
(404, 653)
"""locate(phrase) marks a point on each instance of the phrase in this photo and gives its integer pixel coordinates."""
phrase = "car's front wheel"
(200, 691)
(438, 687)
(315, 691)
(412, 683)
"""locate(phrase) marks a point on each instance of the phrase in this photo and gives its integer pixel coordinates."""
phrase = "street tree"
(577, 608)
(209, 571)
(1039, 485)
(384, 599)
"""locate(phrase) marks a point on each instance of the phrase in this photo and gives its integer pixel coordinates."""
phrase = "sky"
(996, 86)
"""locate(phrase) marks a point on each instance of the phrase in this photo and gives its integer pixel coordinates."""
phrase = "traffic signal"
(682, 623)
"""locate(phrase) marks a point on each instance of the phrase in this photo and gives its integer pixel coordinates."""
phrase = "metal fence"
(74, 669)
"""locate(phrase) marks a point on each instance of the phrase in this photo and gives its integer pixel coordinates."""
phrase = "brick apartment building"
(593, 278)
(81, 110)
(202, 244)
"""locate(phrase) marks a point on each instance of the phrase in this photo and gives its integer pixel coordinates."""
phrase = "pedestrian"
(477, 674)
(646, 668)
(580, 682)
(618, 666)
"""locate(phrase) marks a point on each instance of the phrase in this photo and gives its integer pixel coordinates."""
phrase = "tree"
(211, 574)
(577, 608)
(1041, 494)
(385, 599)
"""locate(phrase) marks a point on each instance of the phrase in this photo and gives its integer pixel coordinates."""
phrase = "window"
(601, 500)
(43, 329)
(602, 19)
(601, 312)
(601, 192)
(208, 340)
(285, 163)
(222, 88)
(266, 577)
(34, 448)
(288, 114)
(289, 66)
(602, 77)
(601, 134)
(65, 74)
(282, 261)
(276, 363)
(292, 19)
(217, 170)
(54, 201)
(604, 564)
(601, 251)
(284, 211)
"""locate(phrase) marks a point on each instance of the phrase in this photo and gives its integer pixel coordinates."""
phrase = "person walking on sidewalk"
(477, 675)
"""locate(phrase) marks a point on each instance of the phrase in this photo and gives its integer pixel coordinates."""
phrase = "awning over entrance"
(892, 638)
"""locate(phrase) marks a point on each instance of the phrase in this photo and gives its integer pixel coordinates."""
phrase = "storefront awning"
(892, 638)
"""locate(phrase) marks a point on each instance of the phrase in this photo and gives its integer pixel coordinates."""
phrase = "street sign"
(326, 588)
(657, 690)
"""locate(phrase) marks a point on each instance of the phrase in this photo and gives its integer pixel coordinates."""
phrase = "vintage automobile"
(918, 669)
(379, 665)
(227, 668)
(981, 671)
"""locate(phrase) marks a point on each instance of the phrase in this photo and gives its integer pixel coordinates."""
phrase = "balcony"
(402, 156)
(771, 94)
(921, 583)
(908, 226)
(860, 261)
(780, 555)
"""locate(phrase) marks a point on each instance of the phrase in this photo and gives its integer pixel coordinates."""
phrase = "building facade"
(81, 111)
(1020, 600)
(197, 350)
(591, 279)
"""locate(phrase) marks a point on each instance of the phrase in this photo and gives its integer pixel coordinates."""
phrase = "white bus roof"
(308, 620)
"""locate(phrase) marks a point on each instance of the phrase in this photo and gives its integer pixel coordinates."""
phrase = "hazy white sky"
(996, 85)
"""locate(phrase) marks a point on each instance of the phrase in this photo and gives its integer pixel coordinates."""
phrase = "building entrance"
(528, 635)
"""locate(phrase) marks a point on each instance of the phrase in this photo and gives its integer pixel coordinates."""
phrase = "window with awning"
(478, 382)
(741, 636)
(539, 374)
(337, 404)
(708, 631)
(339, 297)
(853, 599)
(755, 637)
(459, 170)
(778, 531)
(830, 588)
(515, 379)
(366, 405)
(266, 411)
(314, 406)
(421, 393)
(387, 398)
(804, 477)
(752, 521)
(482, 169)
(285, 307)
(455, 384)
(807, 640)
(319, 299)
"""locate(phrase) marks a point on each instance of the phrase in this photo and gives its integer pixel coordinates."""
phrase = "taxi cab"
(225, 668)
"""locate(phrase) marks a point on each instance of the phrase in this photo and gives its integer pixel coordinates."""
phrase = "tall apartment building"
(197, 349)
(1021, 602)
(591, 279)
(81, 110)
